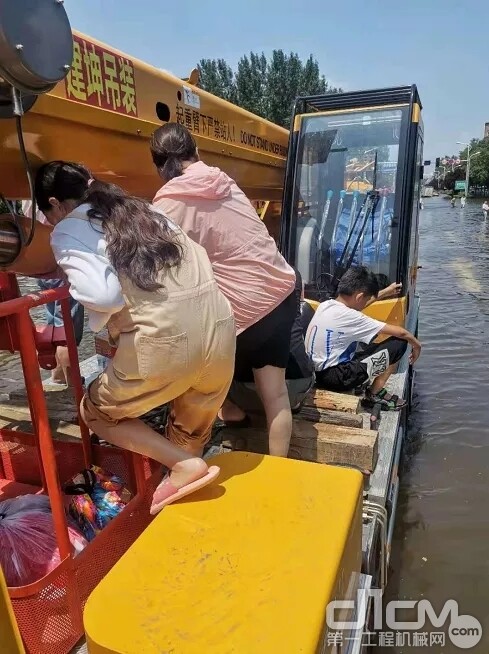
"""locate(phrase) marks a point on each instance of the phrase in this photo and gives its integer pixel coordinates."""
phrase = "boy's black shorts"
(267, 342)
(352, 374)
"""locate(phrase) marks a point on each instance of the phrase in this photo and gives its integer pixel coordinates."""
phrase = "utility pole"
(467, 168)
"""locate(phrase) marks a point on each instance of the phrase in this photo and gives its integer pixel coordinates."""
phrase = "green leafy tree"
(283, 81)
(451, 177)
(16, 205)
(250, 79)
(226, 74)
(265, 87)
(312, 81)
(479, 164)
(217, 77)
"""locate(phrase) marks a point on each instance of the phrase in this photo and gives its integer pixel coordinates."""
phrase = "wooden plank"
(61, 411)
(17, 412)
(388, 432)
(314, 414)
(333, 401)
(334, 444)
(318, 442)
(12, 418)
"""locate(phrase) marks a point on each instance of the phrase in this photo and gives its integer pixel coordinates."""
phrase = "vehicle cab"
(351, 193)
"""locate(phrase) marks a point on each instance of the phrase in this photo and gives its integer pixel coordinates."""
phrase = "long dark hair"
(62, 180)
(139, 241)
(171, 145)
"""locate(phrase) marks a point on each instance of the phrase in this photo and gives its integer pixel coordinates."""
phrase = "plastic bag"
(98, 497)
(28, 547)
(78, 541)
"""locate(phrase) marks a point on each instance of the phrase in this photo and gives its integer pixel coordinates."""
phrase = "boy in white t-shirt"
(337, 329)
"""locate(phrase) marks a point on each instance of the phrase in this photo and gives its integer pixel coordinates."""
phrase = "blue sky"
(441, 46)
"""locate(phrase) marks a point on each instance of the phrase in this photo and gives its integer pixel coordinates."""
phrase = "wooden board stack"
(328, 429)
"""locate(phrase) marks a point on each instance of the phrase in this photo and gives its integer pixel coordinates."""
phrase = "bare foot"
(58, 376)
(186, 471)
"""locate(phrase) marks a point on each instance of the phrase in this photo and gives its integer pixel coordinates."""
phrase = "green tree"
(250, 79)
(453, 176)
(16, 205)
(284, 76)
(265, 87)
(479, 164)
(312, 81)
(217, 77)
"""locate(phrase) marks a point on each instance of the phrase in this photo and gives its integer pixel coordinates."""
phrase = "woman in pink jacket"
(247, 265)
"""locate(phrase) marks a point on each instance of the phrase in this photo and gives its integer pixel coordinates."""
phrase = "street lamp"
(467, 170)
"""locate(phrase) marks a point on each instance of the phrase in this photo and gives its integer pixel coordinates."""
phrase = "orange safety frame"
(49, 611)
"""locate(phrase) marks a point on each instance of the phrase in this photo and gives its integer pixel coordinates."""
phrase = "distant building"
(486, 130)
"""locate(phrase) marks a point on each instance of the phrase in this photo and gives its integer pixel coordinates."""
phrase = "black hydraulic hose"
(30, 178)
(374, 182)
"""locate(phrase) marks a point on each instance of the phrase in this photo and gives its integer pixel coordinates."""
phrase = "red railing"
(49, 611)
(20, 308)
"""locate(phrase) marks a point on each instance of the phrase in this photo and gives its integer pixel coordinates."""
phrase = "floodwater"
(441, 541)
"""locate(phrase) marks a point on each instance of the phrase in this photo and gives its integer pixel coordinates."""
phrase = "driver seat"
(307, 236)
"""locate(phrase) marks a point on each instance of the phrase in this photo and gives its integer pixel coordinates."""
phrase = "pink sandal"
(167, 493)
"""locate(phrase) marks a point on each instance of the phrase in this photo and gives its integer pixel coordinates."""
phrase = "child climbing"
(153, 287)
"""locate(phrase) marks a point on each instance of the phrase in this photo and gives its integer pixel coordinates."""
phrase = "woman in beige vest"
(153, 287)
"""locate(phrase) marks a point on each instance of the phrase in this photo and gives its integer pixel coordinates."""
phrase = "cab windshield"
(345, 187)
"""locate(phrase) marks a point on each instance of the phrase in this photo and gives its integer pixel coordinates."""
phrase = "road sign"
(460, 185)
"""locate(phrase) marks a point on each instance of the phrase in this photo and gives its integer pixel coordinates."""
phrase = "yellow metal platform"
(245, 566)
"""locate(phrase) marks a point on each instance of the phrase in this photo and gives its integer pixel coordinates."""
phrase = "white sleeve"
(92, 279)
(365, 328)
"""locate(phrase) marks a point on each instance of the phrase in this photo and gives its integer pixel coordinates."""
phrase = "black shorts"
(369, 362)
(267, 342)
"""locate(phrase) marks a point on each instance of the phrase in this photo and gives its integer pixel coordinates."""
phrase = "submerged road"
(441, 542)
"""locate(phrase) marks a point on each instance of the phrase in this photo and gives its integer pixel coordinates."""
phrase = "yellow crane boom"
(104, 111)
